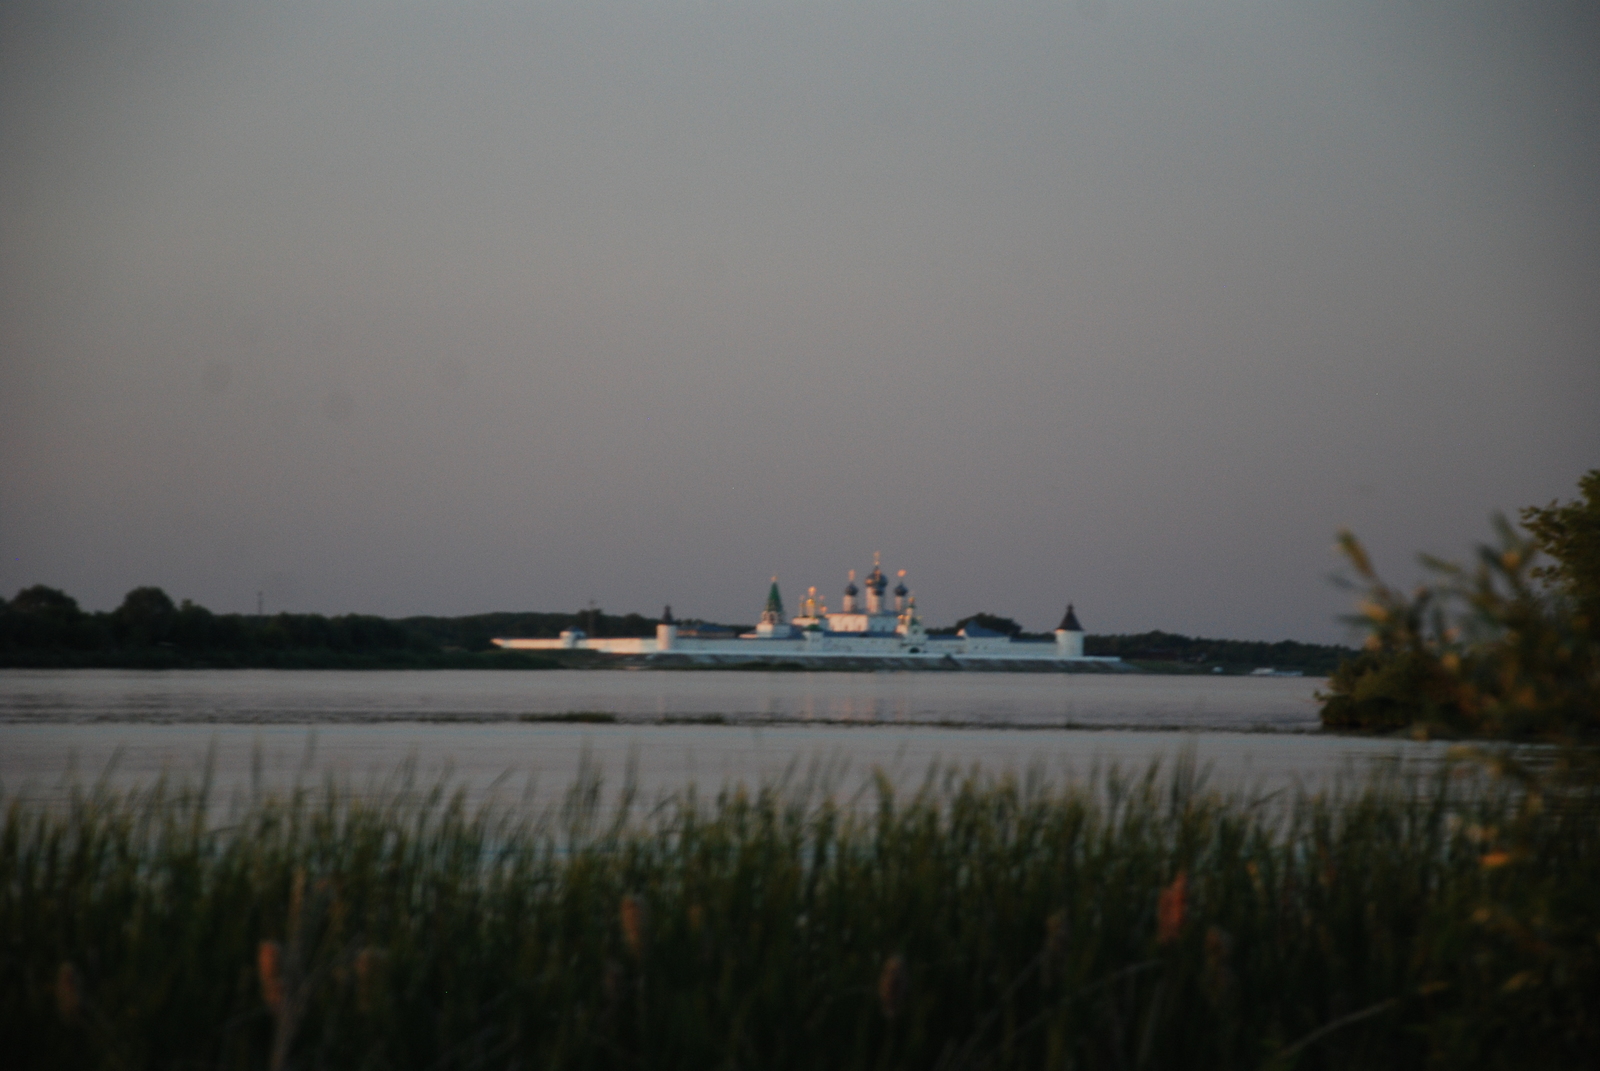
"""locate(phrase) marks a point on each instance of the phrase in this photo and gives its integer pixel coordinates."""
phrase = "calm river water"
(60, 726)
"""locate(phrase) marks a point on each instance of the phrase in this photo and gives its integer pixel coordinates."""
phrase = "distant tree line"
(1314, 659)
(42, 626)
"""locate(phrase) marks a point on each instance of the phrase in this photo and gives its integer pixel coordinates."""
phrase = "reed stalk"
(1446, 918)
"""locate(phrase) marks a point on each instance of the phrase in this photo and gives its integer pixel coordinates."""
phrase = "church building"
(865, 627)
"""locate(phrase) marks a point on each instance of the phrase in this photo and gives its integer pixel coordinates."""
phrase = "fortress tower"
(1069, 636)
(666, 631)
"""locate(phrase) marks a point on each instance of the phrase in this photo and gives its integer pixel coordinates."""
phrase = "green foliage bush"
(1507, 649)
(1570, 536)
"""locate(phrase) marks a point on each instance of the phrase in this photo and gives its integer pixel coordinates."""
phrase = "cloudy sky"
(442, 308)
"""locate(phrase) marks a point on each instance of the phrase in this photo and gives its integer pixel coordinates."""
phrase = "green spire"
(774, 600)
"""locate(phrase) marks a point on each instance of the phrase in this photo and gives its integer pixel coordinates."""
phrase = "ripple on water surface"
(328, 697)
(482, 726)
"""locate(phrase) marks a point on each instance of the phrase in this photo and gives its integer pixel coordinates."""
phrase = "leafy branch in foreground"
(1570, 536)
(1508, 648)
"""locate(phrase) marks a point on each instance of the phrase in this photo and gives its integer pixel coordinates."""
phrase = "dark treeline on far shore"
(45, 627)
(1155, 650)
(1174, 653)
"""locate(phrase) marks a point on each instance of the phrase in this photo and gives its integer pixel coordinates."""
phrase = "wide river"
(485, 728)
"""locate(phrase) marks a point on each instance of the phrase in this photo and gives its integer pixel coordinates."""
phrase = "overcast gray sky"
(444, 308)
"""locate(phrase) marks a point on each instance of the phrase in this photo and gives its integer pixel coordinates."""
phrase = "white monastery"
(862, 630)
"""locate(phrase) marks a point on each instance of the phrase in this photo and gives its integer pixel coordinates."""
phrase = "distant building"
(861, 629)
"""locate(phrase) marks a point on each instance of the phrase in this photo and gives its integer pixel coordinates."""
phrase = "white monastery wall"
(876, 633)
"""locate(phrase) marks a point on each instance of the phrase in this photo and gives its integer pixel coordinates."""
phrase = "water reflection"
(359, 727)
(47, 758)
(324, 697)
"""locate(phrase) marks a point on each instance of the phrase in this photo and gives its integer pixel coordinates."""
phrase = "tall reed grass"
(975, 922)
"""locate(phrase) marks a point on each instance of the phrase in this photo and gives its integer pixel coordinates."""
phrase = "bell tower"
(773, 626)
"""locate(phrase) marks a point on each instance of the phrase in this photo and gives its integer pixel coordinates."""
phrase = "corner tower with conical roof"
(1069, 635)
(666, 631)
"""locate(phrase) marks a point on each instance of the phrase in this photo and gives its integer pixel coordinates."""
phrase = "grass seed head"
(1056, 932)
(893, 986)
(1519, 981)
(635, 924)
(269, 968)
(69, 993)
(366, 972)
(1170, 909)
